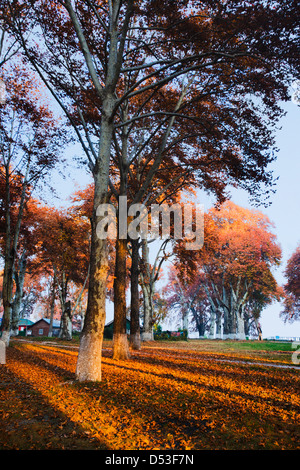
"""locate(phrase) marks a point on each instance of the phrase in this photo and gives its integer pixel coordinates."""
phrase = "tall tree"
(187, 300)
(26, 251)
(234, 264)
(29, 142)
(64, 239)
(149, 275)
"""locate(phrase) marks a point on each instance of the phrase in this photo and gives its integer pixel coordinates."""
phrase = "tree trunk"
(218, 324)
(200, 325)
(229, 331)
(148, 324)
(7, 298)
(201, 328)
(66, 322)
(88, 366)
(11, 243)
(185, 320)
(5, 325)
(16, 306)
(120, 342)
(212, 323)
(147, 294)
(90, 350)
(135, 336)
(9, 259)
(247, 323)
(240, 333)
(65, 331)
(52, 305)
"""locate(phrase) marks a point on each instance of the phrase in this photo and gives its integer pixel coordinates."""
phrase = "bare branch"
(84, 46)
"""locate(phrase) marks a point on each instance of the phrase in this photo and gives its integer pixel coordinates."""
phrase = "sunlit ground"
(183, 395)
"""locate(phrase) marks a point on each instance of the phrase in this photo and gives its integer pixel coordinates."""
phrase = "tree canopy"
(234, 265)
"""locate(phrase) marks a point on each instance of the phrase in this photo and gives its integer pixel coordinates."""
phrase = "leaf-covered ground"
(161, 398)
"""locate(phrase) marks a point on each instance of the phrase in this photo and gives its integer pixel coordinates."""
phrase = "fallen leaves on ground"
(158, 399)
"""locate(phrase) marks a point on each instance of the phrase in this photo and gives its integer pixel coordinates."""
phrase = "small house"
(23, 326)
(42, 326)
(109, 328)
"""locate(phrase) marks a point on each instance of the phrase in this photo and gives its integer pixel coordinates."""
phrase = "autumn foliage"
(234, 267)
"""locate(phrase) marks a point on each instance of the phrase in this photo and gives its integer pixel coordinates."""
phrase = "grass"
(270, 351)
(196, 395)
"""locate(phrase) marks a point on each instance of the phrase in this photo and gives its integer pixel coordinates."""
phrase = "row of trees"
(51, 262)
(161, 96)
(221, 289)
(225, 286)
(30, 144)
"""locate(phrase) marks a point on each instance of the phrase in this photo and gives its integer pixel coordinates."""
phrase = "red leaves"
(65, 242)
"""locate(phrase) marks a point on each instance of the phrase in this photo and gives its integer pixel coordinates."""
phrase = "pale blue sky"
(285, 210)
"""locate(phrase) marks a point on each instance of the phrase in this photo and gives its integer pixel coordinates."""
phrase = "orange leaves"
(242, 238)
(159, 399)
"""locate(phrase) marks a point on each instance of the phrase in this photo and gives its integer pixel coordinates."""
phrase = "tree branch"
(84, 46)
